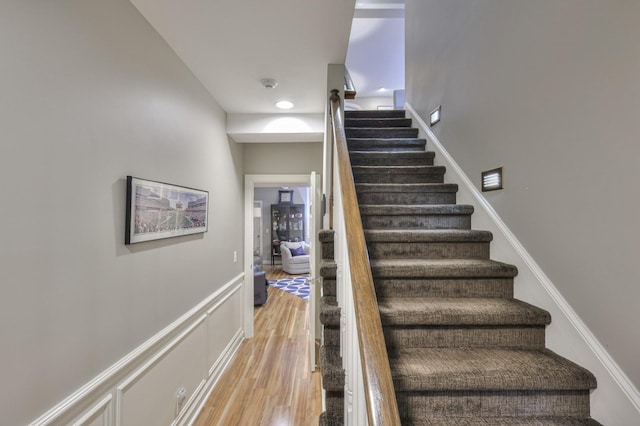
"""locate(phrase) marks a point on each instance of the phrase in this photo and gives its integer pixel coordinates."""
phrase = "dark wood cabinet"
(287, 222)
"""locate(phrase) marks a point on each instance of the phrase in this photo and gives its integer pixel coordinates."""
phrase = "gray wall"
(550, 90)
(90, 93)
(282, 158)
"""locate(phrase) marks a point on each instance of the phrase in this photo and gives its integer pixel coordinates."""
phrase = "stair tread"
(426, 235)
(415, 209)
(475, 369)
(406, 187)
(460, 311)
(500, 421)
(331, 368)
(400, 169)
(376, 122)
(329, 311)
(401, 154)
(442, 268)
(386, 140)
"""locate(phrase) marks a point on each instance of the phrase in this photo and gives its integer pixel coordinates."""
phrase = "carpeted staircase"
(462, 350)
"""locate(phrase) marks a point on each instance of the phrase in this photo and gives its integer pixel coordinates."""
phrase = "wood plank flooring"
(269, 382)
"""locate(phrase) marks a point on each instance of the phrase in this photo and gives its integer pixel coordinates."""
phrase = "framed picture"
(157, 210)
(285, 197)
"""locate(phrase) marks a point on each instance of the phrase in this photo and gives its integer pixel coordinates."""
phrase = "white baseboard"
(617, 400)
(191, 352)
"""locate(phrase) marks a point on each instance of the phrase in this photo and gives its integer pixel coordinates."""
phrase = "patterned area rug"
(298, 286)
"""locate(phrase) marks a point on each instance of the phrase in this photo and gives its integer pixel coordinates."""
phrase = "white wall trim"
(215, 373)
(128, 369)
(140, 372)
(103, 407)
(607, 362)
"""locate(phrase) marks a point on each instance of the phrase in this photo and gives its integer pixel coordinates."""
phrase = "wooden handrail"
(382, 407)
(349, 87)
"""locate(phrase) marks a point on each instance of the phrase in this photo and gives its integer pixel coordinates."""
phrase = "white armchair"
(295, 264)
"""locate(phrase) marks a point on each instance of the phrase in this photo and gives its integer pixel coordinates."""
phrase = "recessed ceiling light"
(284, 104)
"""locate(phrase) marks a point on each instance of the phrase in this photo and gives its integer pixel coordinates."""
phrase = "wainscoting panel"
(141, 388)
(149, 396)
(98, 415)
(229, 313)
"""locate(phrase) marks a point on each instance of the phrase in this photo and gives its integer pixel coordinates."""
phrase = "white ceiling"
(230, 45)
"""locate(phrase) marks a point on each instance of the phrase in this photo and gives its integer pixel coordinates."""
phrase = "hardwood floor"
(270, 382)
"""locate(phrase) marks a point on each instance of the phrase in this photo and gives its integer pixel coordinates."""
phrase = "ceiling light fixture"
(284, 104)
(269, 83)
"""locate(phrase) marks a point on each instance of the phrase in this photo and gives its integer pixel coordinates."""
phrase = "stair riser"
(397, 177)
(396, 113)
(328, 270)
(377, 122)
(382, 133)
(327, 251)
(436, 250)
(484, 287)
(407, 197)
(417, 222)
(327, 420)
(335, 403)
(331, 368)
(493, 404)
(330, 317)
(398, 159)
(411, 145)
(476, 336)
(329, 287)
(331, 336)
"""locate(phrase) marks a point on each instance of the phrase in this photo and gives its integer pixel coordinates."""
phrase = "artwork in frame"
(285, 197)
(157, 210)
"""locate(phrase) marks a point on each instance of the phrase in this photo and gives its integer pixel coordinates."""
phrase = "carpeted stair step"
(327, 419)
(485, 382)
(326, 243)
(328, 269)
(394, 113)
(335, 402)
(391, 158)
(331, 336)
(428, 243)
(441, 268)
(381, 132)
(329, 311)
(408, 193)
(332, 371)
(398, 174)
(442, 278)
(377, 122)
(502, 421)
(399, 144)
(462, 322)
(446, 216)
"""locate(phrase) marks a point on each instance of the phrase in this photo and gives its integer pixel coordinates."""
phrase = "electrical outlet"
(181, 396)
(235, 256)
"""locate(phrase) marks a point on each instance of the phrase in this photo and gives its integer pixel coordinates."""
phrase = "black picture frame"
(157, 210)
(285, 197)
